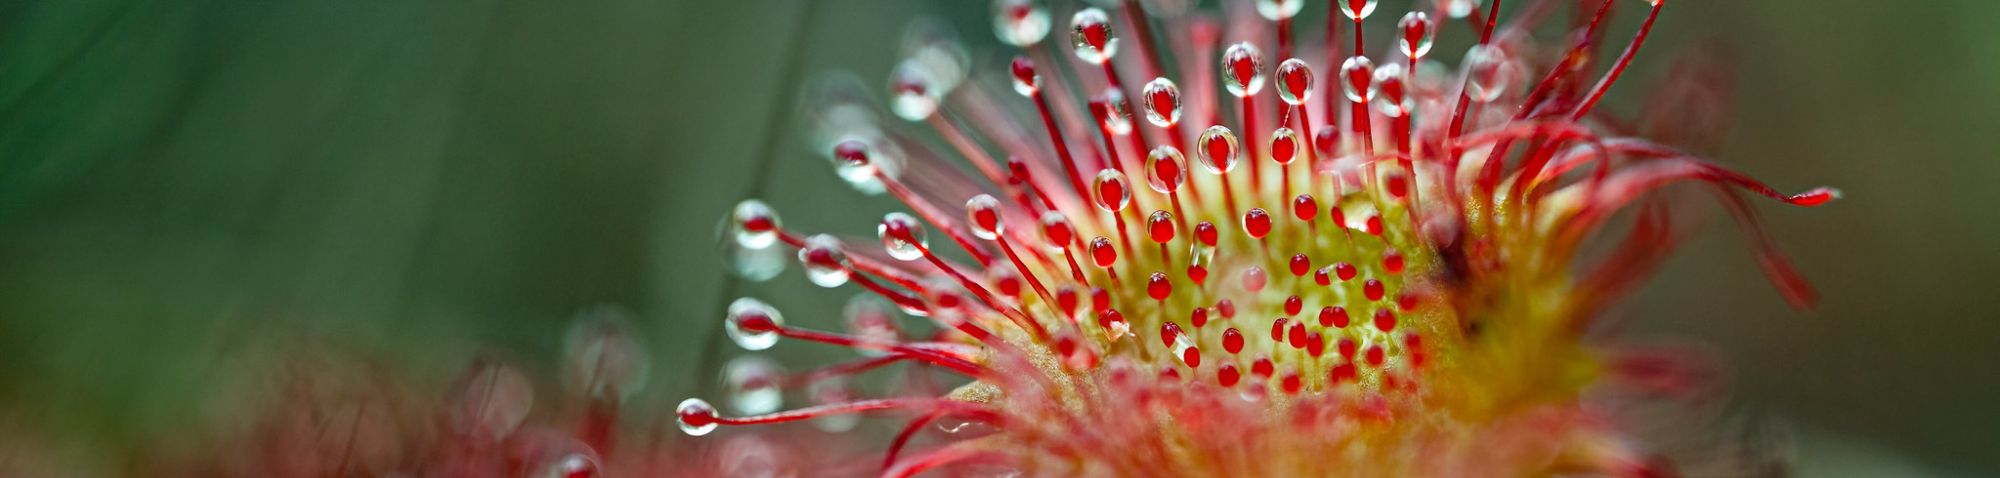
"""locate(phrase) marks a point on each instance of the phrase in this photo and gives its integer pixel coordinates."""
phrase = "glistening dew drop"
(1390, 284)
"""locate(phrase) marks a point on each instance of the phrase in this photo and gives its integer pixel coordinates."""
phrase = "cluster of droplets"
(915, 95)
(1347, 274)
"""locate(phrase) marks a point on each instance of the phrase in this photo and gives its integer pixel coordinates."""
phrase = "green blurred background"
(425, 178)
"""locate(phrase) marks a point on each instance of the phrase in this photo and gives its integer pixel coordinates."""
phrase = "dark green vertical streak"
(767, 155)
(18, 179)
(41, 85)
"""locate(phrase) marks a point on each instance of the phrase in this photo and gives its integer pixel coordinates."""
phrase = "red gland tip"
(1305, 207)
(1262, 367)
(1057, 230)
(1025, 78)
(852, 151)
(1343, 373)
(1161, 227)
(1284, 146)
(1158, 287)
(1815, 197)
(1205, 232)
(1333, 317)
(1385, 320)
(1113, 193)
(1102, 252)
(1295, 80)
(1257, 223)
(1110, 317)
(983, 211)
(1228, 376)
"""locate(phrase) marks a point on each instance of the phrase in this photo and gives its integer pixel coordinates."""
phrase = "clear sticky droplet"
(1110, 109)
(1357, 10)
(872, 319)
(1021, 23)
(1415, 33)
(1026, 80)
(493, 400)
(1166, 169)
(837, 105)
(754, 264)
(1200, 257)
(1162, 101)
(1217, 149)
(1357, 76)
(573, 465)
(1254, 279)
(1295, 82)
(753, 324)
(828, 391)
(1275, 10)
(754, 455)
(1242, 70)
(1093, 37)
(1113, 192)
(695, 416)
(854, 160)
(1102, 253)
(880, 157)
(902, 236)
(982, 213)
(1161, 227)
(604, 360)
(1114, 324)
(1286, 145)
(1257, 223)
(1459, 8)
(1489, 73)
(1057, 232)
(1392, 87)
(912, 93)
(753, 384)
(1185, 351)
(1005, 281)
(825, 261)
(935, 44)
(755, 224)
